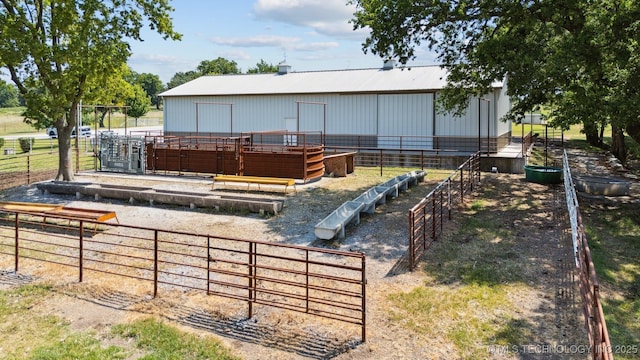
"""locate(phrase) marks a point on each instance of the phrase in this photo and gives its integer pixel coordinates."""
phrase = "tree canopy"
(580, 58)
(138, 104)
(152, 85)
(8, 95)
(217, 66)
(263, 68)
(56, 50)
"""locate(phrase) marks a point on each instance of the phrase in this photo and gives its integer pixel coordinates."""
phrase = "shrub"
(26, 144)
(1, 142)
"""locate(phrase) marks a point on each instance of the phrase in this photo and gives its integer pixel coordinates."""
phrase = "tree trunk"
(101, 121)
(591, 132)
(633, 131)
(618, 148)
(65, 158)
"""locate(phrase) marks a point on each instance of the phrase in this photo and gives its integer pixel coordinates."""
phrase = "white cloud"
(237, 55)
(315, 46)
(157, 59)
(256, 41)
(281, 42)
(326, 17)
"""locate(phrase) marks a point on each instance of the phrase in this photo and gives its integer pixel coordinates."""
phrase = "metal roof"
(419, 78)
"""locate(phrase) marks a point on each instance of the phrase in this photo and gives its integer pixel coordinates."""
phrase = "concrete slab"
(153, 196)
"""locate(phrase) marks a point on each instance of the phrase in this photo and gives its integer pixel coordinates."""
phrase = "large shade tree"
(54, 50)
(103, 97)
(151, 84)
(581, 57)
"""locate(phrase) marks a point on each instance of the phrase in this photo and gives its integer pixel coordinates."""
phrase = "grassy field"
(12, 122)
(42, 337)
(575, 132)
(613, 232)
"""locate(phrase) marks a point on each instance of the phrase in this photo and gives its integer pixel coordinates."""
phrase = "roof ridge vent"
(388, 64)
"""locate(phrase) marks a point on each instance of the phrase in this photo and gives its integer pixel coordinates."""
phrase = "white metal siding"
(405, 114)
(345, 114)
(363, 114)
(467, 125)
(352, 114)
(503, 106)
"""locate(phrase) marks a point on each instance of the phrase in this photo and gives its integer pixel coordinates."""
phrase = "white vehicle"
(85, 131)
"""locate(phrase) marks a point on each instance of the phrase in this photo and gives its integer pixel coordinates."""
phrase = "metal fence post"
(17, 241)
(251, 278)
(81, 251)
(208, 264)
(364, 299)
(449, 197)
(433, 218)
(411, 238)
(461, 186)
(155, 263)
(306, 273)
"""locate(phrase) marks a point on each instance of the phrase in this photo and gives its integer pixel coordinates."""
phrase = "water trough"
(543, 174)
(601, 185)
(349, 212)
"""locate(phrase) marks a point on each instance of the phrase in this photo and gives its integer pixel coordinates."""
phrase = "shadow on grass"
(507, 238)
(613, 231)
(311, 343)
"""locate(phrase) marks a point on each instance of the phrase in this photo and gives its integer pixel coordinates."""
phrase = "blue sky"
(308, 34)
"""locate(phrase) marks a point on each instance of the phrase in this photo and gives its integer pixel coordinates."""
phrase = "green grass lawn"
(29, 335)
(12, 122)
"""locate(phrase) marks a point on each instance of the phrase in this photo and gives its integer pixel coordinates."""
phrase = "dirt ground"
(551, 303)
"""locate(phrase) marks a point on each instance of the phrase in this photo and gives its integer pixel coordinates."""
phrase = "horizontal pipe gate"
(321, 282)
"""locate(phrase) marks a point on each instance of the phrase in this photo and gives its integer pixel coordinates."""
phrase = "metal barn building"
(387, 103)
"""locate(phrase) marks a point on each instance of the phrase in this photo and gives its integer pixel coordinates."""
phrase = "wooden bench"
(260, 180)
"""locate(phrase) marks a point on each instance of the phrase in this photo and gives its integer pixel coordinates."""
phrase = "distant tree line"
(218, 66)
(138, 91)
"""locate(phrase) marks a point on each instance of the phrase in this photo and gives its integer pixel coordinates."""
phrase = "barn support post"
(479, 125)
(196, 119)
(324, 124)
